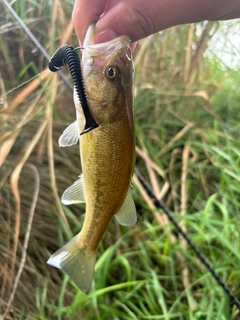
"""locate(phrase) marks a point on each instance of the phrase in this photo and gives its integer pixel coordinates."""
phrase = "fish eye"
(112, 73)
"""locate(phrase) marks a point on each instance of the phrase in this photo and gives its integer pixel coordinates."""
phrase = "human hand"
(140, 18)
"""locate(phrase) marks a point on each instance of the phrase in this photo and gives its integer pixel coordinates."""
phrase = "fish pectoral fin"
(79, 266)
(70, 135)
(127, 215)
(74, 193)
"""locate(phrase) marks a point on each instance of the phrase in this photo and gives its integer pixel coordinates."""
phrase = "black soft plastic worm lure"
(68, 55)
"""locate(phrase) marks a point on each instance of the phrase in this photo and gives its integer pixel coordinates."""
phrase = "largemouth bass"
(107, 153)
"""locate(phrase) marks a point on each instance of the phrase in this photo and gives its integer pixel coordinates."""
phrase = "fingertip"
(104, 35)
(107, 35)
(84, 13)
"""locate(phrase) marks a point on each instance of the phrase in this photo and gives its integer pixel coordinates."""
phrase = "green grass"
(187, 123)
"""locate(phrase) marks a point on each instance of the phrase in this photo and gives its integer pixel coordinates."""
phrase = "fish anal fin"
(70, 135)
(74, 193)
(72, 260)
(127, 215)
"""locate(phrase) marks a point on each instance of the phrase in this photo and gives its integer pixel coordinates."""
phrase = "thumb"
(85, 12)
(134, 20)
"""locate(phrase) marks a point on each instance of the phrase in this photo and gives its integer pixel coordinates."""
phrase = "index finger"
(85, 12)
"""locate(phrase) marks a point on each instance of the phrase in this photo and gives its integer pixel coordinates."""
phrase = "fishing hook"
(68, 55)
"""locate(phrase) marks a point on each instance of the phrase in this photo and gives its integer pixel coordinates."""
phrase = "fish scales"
(101, 177)
(107, 153)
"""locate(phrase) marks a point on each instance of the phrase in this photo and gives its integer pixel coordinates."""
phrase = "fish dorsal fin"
(69, 136)
(74, 193)
(126, 215)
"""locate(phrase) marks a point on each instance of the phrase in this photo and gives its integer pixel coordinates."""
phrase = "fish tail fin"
(76, 263)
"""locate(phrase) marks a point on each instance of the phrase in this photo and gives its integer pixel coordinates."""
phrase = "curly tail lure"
(68, 55)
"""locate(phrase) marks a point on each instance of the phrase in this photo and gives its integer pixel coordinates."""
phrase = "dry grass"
(173, 96)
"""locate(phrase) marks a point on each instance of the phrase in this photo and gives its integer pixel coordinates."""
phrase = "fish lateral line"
(107, 158)
(67, 55)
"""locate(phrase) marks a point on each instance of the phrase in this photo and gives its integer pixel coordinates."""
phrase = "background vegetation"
(187, 124)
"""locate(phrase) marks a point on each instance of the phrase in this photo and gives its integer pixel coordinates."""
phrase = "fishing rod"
(198, 253)
(34, 40)
(144, 183)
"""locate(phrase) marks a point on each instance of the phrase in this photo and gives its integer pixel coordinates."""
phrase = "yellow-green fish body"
(107, 153)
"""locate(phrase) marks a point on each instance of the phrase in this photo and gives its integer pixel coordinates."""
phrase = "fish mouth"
(89, 39)
(89, 36)
(101, 51)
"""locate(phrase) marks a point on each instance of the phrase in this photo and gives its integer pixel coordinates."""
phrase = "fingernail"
(105, 35)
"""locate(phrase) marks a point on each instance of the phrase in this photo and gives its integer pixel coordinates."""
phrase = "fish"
(107, 153)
